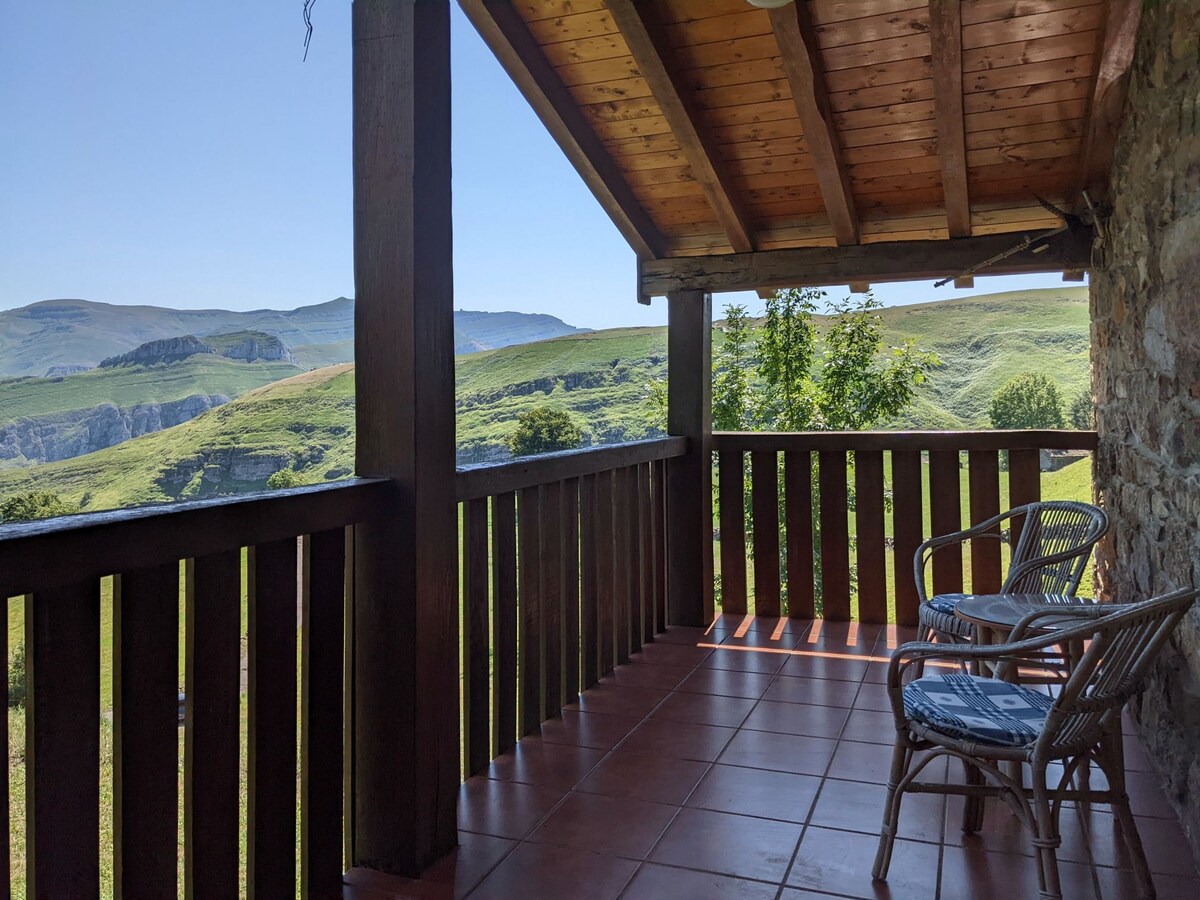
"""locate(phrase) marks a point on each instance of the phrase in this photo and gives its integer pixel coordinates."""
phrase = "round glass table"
(998, 614)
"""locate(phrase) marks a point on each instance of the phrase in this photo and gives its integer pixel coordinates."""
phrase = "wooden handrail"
(905, 440)
(36, 556)
(546, 468)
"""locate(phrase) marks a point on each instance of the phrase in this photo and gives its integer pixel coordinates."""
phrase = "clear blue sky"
(183, 155)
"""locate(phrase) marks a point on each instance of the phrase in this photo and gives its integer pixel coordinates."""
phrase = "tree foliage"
(286, 478)
(1083, 412)
(730, 377)
(1027, 401)
(544, 429)
(33, 505)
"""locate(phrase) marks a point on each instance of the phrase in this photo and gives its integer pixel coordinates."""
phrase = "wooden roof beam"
(877, 263)
(945, 37)
(505, 33)
(796, 37)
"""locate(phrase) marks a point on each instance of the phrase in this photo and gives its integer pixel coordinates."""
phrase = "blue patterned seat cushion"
(969, 707)
(946, 603)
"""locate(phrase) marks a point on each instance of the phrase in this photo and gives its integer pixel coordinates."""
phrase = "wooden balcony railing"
(564, 576)
(293, 544)
(803, 548)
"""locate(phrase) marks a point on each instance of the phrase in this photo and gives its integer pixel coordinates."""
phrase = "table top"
(1006, 610)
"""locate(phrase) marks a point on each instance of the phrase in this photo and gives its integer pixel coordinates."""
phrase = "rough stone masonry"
(1145, 301)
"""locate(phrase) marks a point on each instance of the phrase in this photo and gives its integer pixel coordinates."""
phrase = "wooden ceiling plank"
(802, 63)
(945, 35)
(501, 27)
(706, 163)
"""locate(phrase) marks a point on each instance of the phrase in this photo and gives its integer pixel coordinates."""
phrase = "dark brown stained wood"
(486, 480)
(1024, 484)
(731, 487)
(62, 743)
(504, 615)
(868, 526)
(945, 36)
(704, 160)
(570, 589)
(322, 641)
(1107, 99)
(907, 529)
(689, 477)
(798, 505)
(983, 470)
(966, 282)
(145, 732)
(589, 633)
(406, 597)
(660, 545)
(5, 824)
(271, 621)
(476, 638)
(211, 728)
(605, 571)
(348, 698)
(748, 441)
(945, 517)
(623, 596)
(645, 501)
(632, 533)
(880, 262)
(764, 492)
(550, 532)
(835, 537)
(501, 27)
(797, 42)
(529, 574)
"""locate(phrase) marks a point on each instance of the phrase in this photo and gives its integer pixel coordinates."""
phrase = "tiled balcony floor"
(749, 762)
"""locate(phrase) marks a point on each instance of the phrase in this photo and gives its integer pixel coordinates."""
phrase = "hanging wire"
(308, 7)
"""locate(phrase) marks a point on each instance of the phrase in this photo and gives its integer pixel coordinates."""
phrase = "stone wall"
(1146, 375)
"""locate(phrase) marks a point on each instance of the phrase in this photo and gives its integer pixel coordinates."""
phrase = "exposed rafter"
(502, 29)
(702, 156)
(945, 37)
(796, 37)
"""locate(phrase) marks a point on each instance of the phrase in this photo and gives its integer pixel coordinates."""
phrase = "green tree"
(286, 478)
(786, 350)
(33, 505)
(16, 675)
(544, 429)
(731, 372)
(1027, 401)
(1083, 412)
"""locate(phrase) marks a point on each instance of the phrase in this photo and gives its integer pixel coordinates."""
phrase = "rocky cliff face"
(256, 347)
(50, 438)
(248, 346)
(161, 351)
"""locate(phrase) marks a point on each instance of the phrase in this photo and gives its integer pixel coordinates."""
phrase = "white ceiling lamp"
(768, 4)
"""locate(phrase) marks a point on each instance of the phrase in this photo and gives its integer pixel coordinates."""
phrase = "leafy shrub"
(1027, 401)
(544, 429)
(33, 505)
(286, 478)
(16, 676)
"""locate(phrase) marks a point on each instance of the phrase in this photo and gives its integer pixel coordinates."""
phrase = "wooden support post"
(406, 606)
(689, 477)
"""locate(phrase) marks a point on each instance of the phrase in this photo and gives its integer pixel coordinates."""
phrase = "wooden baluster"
(606, 595)
(273, 591)
(659, 519)
(504, 614)
(570, 589)
(62, 756)
(211, 731)
(589, 597)
(146, 731)
(797, 490)
(5, 823)
(633, 540)
(764, 487)
(868, 523)
(835, 536)
(731, 489)
(551, 530)
(907, 528)
(1024, 484)
(945, 517)
(646, 538)
(529, 572)
(984, 476)
(322, 642)
(349, 700)
(622, 582)
(476, 638)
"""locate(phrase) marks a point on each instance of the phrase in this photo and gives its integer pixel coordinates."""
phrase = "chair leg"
(973, 803)
(1046, 838)
(1112, 764)
(901, 758)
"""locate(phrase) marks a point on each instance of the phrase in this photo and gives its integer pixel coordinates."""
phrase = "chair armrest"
(1087, 613)
(927, 548)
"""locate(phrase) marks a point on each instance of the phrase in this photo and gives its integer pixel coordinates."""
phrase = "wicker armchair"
(993, 725)
(1049, 558)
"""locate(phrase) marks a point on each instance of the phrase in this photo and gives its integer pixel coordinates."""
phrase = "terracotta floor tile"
(703, 709)
(870, 726)
(797, 718)
(751, 685)
(474, 857)
(623, 701)
(653, 778)
(678, 740)
(1002, 832)
(618, 826)
(976, 875)
(502, 808)
(1137, 758)
(666, 654)
(876, 672)
(1167, 849)
(816, 664)
(1146, 796)
(633, 674)
(873, 696)
(1119, 884)
(856, 806)
(855, 632)
(555, 766)
(770, 624)
(800, 755)
(728, 844)
(834, 645)
(679, 634)
(655, 882)
(778, 640)
(856, 761)
(544, 872)
(740, 658)
(840, 862)
(756, 792)
(815, 691)
(583, 729)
